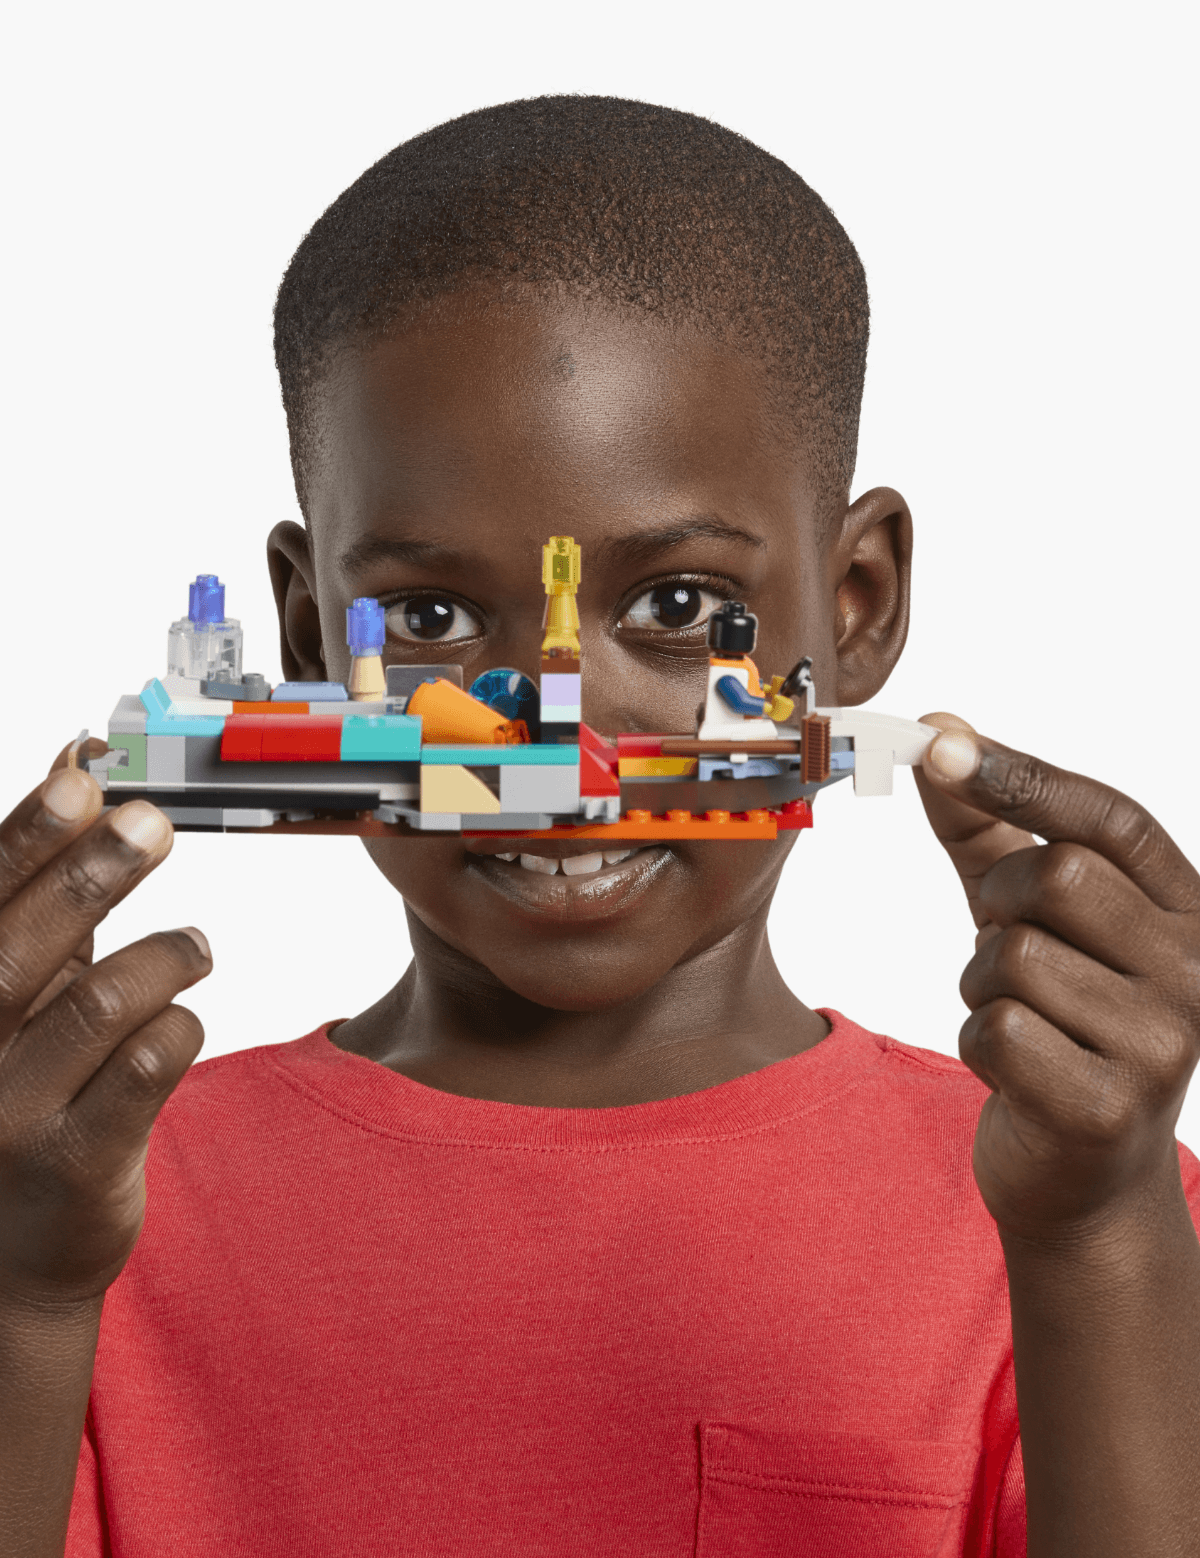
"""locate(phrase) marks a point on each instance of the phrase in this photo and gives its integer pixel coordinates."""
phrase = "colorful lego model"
(405, 750)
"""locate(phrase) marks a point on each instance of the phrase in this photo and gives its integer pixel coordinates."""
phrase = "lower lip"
(575, 899)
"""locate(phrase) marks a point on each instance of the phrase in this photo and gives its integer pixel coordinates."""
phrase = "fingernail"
(954, 755)
(143, 826)
(198, 937)
(70, 794)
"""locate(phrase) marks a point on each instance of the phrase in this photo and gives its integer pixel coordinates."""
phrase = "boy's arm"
(88, 1056)
(1085, 1023)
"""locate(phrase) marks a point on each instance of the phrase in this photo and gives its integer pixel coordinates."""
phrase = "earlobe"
(289, 560)
(872, 577)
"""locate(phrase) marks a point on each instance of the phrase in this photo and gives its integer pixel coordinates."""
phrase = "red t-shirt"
(367, 1317)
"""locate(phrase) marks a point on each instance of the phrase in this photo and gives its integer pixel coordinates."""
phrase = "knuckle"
(1015, 950)
(95, 1003)
(1023, 783)
(83, 882)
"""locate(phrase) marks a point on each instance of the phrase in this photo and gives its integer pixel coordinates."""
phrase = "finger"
(1055, 804)
(92, 747)
(59, 1051)
(40, 928)
(1087, 901)
(973, 840)
(130, 1088)
(1043, 1076)
(1087, 1002)
(44, 823)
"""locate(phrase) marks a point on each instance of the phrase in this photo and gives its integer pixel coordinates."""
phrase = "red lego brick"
(639, 746)
(793, 816)
(595, 776)
(241, 739)
(301, 738)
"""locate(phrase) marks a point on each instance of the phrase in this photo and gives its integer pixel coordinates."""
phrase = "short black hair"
(639, 205)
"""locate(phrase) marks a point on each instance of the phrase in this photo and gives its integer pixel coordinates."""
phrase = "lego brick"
(194, 817)
(378, 738)
(539, 753)
(127, 719)
(273, 709)
(751, 825)
(301, 739)
(815, 748)
(640, 746)
(403, 680)
(309, 692)
(596, 777)
(453, 789)
(873, 772)
(504, 822)
(241, 739)
(438, 821)
(203, 706)
(561, 696)
(165, 761)
(545, 788)
(134, 771)
(247, 817)
(655, 767)
(155, 698)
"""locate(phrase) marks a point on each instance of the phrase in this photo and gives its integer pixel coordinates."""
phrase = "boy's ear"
(871, 556)
(289, 558)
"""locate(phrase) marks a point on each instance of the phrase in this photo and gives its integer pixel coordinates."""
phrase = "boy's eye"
(671, 607)
(427, 619)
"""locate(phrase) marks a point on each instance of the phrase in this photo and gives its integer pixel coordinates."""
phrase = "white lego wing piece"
(880, 742)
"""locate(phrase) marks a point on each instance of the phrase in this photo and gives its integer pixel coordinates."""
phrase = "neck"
(451, 1024)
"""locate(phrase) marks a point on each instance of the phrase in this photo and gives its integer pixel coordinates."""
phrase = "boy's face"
(445, 458)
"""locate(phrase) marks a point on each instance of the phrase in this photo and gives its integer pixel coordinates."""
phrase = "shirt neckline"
(387, 1102)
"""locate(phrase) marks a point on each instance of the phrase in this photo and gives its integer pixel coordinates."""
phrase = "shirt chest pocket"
(807, 1494)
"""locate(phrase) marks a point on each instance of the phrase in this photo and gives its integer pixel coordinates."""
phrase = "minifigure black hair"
(635, 204)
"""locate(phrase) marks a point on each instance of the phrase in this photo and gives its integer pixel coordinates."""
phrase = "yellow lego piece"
(561, 571)
(451, 787)
(656, 767)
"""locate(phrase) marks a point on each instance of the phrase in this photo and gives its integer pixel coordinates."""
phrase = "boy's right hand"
(88, 1053)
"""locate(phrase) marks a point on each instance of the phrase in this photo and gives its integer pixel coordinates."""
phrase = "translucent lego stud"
(206, 645)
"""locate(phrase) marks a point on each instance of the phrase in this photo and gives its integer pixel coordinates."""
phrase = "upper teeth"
(572, 865)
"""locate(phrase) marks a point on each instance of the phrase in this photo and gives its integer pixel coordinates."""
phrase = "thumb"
(973, 839)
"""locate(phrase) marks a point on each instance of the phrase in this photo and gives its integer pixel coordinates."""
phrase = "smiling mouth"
(568, 883)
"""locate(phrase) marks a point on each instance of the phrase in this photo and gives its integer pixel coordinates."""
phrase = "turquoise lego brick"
(381, 737)
(530, 752)
(161, 722)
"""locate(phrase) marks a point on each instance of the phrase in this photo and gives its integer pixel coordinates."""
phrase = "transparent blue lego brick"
(381, 738)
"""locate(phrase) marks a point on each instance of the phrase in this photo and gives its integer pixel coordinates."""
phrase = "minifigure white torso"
(720, 721)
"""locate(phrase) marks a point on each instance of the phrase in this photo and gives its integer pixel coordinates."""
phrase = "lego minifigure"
(737, 707)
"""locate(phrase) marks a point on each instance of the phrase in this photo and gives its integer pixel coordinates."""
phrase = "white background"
(1018, 180)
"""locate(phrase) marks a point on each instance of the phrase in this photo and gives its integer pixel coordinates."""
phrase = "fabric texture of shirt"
(368, 1317)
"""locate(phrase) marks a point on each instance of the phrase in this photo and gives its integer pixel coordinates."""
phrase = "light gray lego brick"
(539, 787)
(166, 761)
(505, 822)
(402, 680)
(873, 772)
(128, 718)
(437, 821)
(246, 817)
(198, 816)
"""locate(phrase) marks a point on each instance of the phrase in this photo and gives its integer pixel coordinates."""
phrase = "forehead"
(490, 420)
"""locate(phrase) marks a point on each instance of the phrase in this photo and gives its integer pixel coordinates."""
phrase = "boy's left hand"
(1085, 985)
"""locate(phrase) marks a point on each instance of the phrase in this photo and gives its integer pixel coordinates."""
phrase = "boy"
(590, 1236)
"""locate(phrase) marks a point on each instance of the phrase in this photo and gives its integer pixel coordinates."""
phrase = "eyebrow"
(646, 544)
(396, 549)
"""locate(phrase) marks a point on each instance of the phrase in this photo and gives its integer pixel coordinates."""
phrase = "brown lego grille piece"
(814, 748)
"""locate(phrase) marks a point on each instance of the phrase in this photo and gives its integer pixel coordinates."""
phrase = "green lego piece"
(136, 769)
